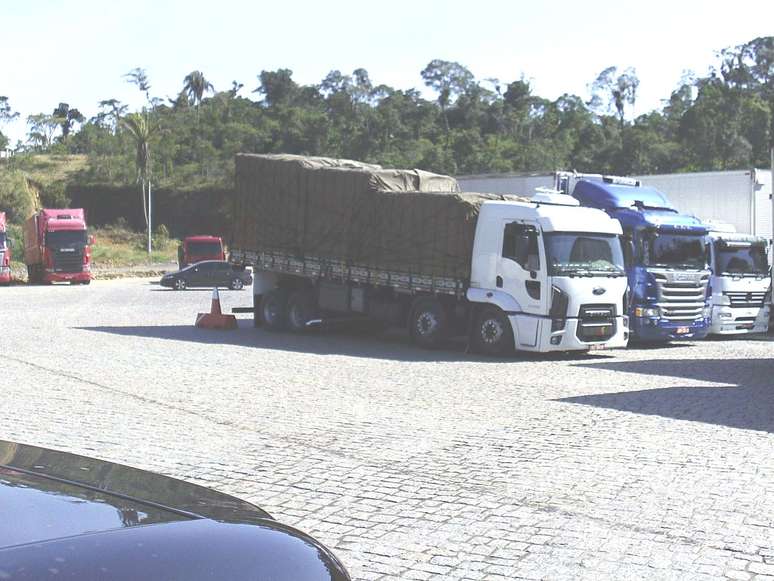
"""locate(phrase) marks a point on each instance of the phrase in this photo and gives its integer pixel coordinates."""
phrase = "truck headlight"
(652, 312)
(558, 313)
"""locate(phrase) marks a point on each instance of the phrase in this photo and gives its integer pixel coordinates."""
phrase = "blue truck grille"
(682, 295)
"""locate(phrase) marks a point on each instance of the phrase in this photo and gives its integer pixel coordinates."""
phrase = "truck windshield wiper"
(746, 274)
(579, 272)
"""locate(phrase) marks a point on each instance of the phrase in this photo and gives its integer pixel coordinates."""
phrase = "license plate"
(597, 347)
(683, 330)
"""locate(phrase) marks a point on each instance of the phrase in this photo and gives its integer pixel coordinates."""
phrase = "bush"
(16, 197)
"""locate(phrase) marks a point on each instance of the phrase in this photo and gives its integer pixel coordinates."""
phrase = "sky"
(78, 51)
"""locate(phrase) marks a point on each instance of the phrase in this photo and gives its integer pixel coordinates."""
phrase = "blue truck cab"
(665, 258)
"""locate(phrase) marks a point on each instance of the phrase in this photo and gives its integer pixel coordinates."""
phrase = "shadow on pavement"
(391, 345)
(746, 401)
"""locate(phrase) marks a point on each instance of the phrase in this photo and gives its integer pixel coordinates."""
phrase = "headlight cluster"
(654, 312)
(558, 313)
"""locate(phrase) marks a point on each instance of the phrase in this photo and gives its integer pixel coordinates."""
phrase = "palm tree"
(141, 131)
(195, 86)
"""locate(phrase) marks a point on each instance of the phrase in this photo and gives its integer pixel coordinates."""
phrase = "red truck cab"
(5, 252)
(198, 248)
(57, 247)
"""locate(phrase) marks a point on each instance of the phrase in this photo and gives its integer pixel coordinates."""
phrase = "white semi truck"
(331, 239)
(741, 281)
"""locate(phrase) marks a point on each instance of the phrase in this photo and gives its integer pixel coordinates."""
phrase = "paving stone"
(647, 463)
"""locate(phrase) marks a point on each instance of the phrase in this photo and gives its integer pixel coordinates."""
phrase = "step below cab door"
(522, 274)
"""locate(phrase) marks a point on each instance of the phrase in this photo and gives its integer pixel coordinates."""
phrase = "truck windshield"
(584, 254)
(674, 250)
(66, 238)
(204, 248)
(741, 259)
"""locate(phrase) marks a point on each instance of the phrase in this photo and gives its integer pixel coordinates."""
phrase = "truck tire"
(274, 310)
(492, 333)
(302, 308)
(429, 323)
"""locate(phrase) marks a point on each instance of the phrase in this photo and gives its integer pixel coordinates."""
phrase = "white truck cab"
(741, 281)
(555, 269)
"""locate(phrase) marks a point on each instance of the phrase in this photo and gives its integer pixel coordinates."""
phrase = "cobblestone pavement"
(638, 464)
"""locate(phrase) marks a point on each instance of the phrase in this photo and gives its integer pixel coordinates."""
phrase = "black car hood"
(52, 466)
(64, 516)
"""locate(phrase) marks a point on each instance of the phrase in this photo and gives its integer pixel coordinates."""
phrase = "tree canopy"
(722, 120)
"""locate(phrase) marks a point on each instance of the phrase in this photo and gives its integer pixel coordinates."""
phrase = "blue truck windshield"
(674, 250)
(741, 259)
(571, 253)
(66, 238)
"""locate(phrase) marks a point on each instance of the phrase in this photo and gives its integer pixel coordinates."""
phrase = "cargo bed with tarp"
(353, 221)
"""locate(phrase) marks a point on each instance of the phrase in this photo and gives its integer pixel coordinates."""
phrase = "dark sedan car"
(209, 273)
(64, 516)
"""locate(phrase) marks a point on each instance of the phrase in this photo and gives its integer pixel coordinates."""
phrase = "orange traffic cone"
(215, 319)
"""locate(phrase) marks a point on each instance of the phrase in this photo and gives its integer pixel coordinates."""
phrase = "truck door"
(522, 274)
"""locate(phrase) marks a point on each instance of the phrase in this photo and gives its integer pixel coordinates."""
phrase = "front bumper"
(656, 329)
(739, 321)
(566, 339)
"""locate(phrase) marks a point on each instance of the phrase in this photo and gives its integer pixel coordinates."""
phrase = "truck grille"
(681, 295)
(742, 299)
(68, 261)
(596, 323)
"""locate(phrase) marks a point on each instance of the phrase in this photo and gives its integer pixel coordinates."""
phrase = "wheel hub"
(427, 323)
(491, 331)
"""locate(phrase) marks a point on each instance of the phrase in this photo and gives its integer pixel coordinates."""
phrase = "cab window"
(520, 244)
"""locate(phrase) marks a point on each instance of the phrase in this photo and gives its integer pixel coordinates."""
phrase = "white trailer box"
(741, 197)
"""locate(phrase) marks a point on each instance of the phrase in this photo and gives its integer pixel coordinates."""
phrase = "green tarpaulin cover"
(407, 221)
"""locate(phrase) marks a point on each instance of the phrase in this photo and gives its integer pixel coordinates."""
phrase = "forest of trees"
(723, 120)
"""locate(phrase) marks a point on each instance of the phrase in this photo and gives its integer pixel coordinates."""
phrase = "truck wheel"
(429, 323)
(236, 284)
(302, 308)
(180, 284)
(492, 333)
(274, 310)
